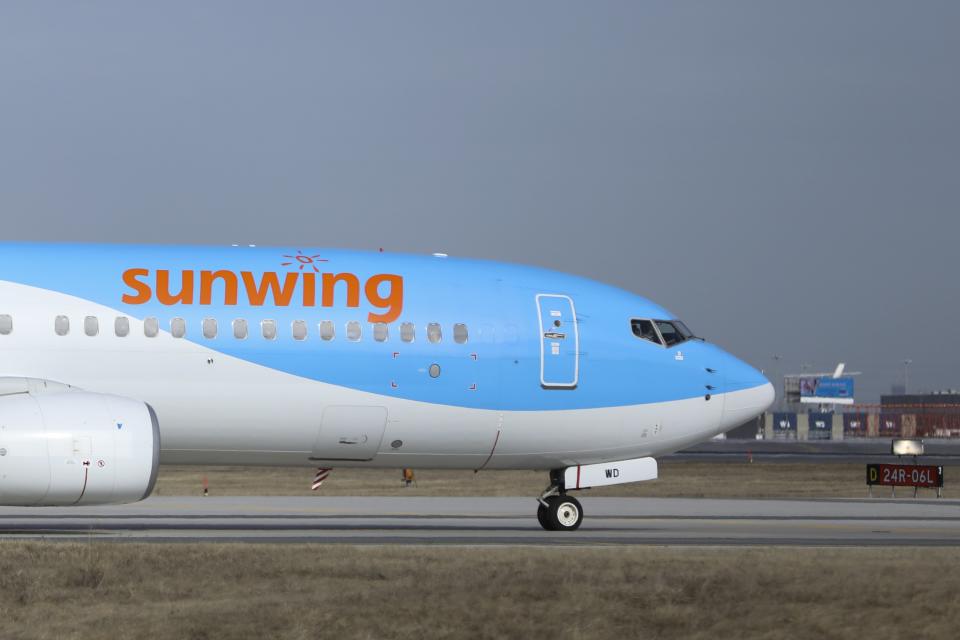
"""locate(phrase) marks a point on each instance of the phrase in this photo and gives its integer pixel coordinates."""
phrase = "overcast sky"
(785, 176)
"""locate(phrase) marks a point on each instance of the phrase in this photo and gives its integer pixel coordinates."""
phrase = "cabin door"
(350, 433)
(559, 342)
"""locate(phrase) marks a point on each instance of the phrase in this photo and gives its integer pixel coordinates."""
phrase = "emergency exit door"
(559, 342)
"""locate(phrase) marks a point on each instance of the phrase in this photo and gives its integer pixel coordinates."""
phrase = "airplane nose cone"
(746, 404)
(749, 395)
(769, 395)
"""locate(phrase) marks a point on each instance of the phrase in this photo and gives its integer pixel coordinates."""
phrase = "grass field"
(208, 591)
(677, 479)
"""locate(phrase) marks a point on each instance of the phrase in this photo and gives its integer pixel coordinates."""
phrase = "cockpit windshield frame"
(684, 329)
(646, 329)
(681, 332)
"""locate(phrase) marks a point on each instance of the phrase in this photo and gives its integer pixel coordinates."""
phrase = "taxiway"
(485, 521)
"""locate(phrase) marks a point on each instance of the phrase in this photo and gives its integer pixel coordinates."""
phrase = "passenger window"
(91, 326)
(670, 334)
(269, 329)
(354, 332)
(151, 327)
(121, 326)
(240, 329)
(380, 332)
(644, 329)
(299, 329)
(61, 325)
(209, 328)
(407, 332)
(326, 330)
(460, 333)
(178, 327)
(434, 333)
(6, 324)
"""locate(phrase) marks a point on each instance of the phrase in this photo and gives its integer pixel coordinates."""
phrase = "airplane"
(115, 359)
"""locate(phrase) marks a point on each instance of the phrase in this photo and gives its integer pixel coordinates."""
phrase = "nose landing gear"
(556, 510)
(560, 512)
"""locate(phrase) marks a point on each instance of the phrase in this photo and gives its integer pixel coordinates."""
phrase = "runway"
(496, 521)
(859, 450)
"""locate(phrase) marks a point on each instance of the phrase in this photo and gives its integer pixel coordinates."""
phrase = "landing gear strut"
(557, 511)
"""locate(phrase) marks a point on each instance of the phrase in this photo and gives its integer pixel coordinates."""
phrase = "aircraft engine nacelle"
(76, 448)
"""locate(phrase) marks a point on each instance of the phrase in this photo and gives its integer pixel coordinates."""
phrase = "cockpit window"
(671, 334)
(662, 332)
(684, 330)
(644, 329)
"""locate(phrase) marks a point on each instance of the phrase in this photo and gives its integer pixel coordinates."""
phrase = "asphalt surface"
(858, 450)
(492, 521)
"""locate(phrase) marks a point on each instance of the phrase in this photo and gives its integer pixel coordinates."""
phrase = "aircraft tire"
(565, 513)
(543, 516)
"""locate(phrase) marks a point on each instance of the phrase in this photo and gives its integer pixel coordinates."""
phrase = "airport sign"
(905, 475)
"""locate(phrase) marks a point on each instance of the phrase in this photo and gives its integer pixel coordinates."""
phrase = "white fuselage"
(214, 408)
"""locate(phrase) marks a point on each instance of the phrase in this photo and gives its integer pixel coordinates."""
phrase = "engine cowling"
(68, 447)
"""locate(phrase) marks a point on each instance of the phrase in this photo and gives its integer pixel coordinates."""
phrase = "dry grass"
(677, 479)
(102, 590)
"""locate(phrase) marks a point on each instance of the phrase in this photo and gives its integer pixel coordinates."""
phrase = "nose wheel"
(560, 513)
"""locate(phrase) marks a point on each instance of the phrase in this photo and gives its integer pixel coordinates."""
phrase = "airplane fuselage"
(326, 357)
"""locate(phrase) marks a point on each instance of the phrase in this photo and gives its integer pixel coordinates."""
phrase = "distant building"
(940, 400)
(748, 430)
(934, 415)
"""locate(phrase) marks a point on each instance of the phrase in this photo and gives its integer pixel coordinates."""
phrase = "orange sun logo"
(304, 261)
